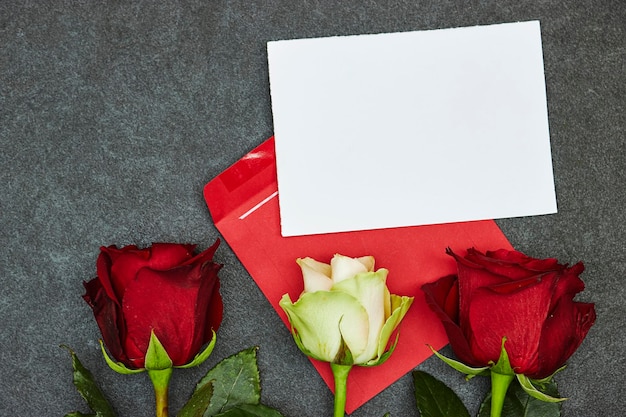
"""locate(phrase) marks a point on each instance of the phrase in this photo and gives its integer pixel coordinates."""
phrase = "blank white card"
(415, 128)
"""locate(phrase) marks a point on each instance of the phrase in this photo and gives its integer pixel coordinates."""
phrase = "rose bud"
(507, 309)
(345, 316)
(161, 297)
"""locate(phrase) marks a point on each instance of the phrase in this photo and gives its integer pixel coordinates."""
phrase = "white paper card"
(414, 128)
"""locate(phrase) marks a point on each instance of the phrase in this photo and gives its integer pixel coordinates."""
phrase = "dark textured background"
(114, 114)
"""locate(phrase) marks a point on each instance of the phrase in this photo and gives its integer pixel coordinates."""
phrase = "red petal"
(471, 277)
(440, 296)
(108, 315)
(103, 269)
(564, 330)
(204, 256)
(171, 303)
(518, 315)
(124, 264)
(168, 255)
(209, 307)
(569, 283)
(512, 264)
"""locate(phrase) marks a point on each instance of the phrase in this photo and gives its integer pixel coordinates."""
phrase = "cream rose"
(346, 314)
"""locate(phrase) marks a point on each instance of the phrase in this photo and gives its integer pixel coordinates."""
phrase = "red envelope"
(243, 201)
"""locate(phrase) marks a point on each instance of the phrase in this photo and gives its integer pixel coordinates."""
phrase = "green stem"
(161, 380)
(499, 385)
(340, 373)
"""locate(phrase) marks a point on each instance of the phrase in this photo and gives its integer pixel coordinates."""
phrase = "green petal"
(384, 356)
(370, 291)
(399, 307)
(327, 323)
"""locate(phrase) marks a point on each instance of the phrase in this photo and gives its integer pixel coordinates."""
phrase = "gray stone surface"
(114, 114)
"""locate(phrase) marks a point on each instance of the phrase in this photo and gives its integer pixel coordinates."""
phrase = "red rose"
(506, 294)
(163, 289)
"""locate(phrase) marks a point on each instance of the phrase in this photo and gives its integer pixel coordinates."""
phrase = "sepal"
(548, 379)
(527, 385)
(469, 371)
(503, 366)
(157, 358)
(118, 367)
(202, 356)
(383, 358)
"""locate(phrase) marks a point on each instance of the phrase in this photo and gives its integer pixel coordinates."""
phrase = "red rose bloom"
(506, 294)
(163, 288)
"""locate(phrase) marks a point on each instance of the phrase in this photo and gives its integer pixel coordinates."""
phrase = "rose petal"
(326, 320)
(166, 302)
(103, 269)
(514, 312)
(209, 305)
(123, 265)
(564, 330)
(344, 267)
(439, 296)
(127, 261)
(569, 283)
(109, 318)
(168, 255)
(316, 275)
(370, 291)
(471, 276)
(368, 262)
(512, 264)
(399, 307)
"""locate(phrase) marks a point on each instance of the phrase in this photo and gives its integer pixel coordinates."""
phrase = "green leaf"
(198, 402)
(517, 403)
(435, 399)
(251, 410)
(89, 390)
(235, 382)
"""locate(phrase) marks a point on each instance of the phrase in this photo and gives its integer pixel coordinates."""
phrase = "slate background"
(114, 114)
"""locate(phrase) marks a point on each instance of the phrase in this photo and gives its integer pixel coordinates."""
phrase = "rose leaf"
(517, 403)
(235, 382)
(435, 399)
(251, 410)
(89, 390)
(198, 402)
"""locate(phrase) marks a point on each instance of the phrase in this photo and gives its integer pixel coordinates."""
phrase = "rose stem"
(161, 381)
(499, 385)
(340, 373)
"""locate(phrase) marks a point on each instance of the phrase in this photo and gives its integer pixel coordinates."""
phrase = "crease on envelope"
(257, 206)
(243, 204)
